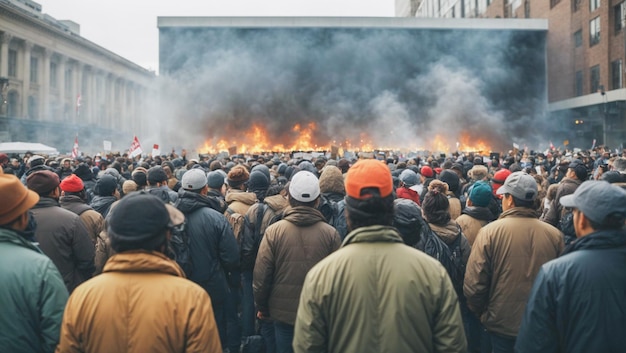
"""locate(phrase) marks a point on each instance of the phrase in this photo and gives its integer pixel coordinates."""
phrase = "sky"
(129, 28)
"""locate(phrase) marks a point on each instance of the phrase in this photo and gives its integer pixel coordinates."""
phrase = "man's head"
(156, 176)
(35, 161)
(194, 180)
(238, 177)
(407, 219)
(106, 186)
(4, 159)
(304, 189)
(577, 169)
(369, 194)
(141, 221)
(480, 194)
(216, 180)
(519, 190)
(598, 206)
(620, 165)
(44, 183)
(410, 179)
(478, 172)
(73, 185)
(16, 201)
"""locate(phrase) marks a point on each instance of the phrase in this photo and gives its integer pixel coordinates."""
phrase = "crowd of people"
(269, 253)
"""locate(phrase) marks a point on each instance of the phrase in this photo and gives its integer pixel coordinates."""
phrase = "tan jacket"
(505, 259)
(470, 227)
(240, 201)
(141, 303)
(455, 206)
(289, 249)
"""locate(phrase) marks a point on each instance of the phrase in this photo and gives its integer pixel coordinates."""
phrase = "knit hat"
(83, 172)
(366, 174)
(478, 172)
(451, 178)
(427, 171)
(72, 183)
(304, 186)
(281, 169)
(238, 175)
(331, 180)
(105, 186)
(16, 199)
(215, 180)
(138, 221)
(308, 166)
(258, 181)
(480, 194)
(4, 157)
(263, 169)
(194, 179)
(43, 182)
(156, 174)
(128, 187)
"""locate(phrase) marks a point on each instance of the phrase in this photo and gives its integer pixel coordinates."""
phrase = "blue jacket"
(212, 245)
(578, 301)
(32, 297)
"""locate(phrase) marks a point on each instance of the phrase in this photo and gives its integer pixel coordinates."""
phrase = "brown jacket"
(470, 227)
(289, 249)
(239, 201)
(455, 206)
(141, 303)
(505, 259)
(567, 186)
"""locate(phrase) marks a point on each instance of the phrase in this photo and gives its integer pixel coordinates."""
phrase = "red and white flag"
(551, 145)
(135, 148)
(75, 148)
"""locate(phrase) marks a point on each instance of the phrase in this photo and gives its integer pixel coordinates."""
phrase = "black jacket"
(102, 204)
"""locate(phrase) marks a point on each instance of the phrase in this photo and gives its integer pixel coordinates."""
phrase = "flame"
(469, 144)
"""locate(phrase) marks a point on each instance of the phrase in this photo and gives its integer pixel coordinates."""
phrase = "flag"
(78, 99)
(551, 145)
(135, 148)
(155, 150)
(107, 145)
(75, 148)
(593, 145)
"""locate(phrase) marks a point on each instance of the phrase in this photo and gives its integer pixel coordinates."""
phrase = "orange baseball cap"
(368, 173)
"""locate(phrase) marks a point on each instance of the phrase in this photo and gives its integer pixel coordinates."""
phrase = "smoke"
(397, 87)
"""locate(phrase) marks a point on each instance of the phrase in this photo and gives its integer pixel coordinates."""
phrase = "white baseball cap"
(304, 186)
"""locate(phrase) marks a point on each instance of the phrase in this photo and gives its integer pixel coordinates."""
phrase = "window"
(593, 4)
(616, 74)
(32, 107)
(34, 70)
(594, 31)
(53, 75)
(527, 9)
(554, 2)
(68, 82)
(579, 83)
(618, 12)
(12, 63)
(576, 5)
(595, 78)
(578, 38)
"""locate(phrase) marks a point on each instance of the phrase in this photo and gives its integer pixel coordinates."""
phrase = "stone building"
(585, 58)
(56, 84)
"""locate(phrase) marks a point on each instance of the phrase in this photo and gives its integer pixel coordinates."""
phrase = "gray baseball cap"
(194, 179)
(597, 199)
(520, 185)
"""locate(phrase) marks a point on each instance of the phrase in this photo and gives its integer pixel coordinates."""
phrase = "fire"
(468, 144)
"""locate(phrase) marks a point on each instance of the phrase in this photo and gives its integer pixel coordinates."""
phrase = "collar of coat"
(519, 212)
(11, 236)
(603, 239)
(373, 234)
(143, 261)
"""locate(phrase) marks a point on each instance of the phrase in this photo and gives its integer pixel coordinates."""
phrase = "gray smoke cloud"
(397, 88)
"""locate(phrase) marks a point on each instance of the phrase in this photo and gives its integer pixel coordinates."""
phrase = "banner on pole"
(135, 148)
(75, 148)
(155, 150)
(106, 145)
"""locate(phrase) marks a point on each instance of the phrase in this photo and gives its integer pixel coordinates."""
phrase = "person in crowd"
(408, 220)
(106, 194)
(476, 213)
(32, 293)
(576, 174)
(237, 197)
(373, 266)
(35, 163)
(157, 185)
(288, 250)
(452, 179)
(410, 186)
(85, 174)
(577, 301)
(497, 284)
(66, 168)
(61, 234)
(142, 302)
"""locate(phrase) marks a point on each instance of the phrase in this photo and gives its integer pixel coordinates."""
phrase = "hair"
(274, 190)
(375, 210)
(613, 221)
(150, 246)
(436, 205)
(295, 203)
(523, 203)
(82, 194)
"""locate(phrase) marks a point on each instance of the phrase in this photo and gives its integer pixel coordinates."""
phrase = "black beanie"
(105, 186)
(451, 178)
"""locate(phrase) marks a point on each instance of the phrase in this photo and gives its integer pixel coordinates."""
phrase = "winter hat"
(520, 185)
(451, 178)
(156, 174)
(215, 180)
(4, 157)
(72, 184)
(308, 166)
(410, 179)
(83, 172)
(263, 169)
(127, 226)
(427, 171)
(105, 186)
(282, 168)
(35, 160)
(331, 180)
(258, 181)
(16, 199)
(237, 176)
(43, 182)
(579, 168)
(407, 219)
(129, 186)
(366, 174)
(478, 172)
(304, 186)
(480, 194)
(194, 179)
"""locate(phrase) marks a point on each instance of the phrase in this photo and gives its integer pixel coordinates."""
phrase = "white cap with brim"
(597, 200)
(304, 186)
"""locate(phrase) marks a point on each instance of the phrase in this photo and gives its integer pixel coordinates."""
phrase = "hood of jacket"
(480, 213)
(74, 204)
(102, 203)
(11, 236)
(142, 261)
(373, 234)
(234, 195)
(276, 202)
(448, 232)
(603, 239)
(519, 212)
(46, 202)
(303, 216)
(190, 201)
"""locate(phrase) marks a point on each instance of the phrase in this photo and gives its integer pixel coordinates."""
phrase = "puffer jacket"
(93, 220)
(32, 297)
(406, 193)
(566, 187)
(376, 294)
(212, 245)
(102, 204)
(472, 220)
(577, 302)
(240, 201)
(505, 259)
(62, 236)
(141, 303)
(289, 249)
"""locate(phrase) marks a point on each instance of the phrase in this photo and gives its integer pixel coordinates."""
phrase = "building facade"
(585, 59)
(56, 84)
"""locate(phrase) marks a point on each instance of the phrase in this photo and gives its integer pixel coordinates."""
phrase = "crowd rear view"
(268, 253)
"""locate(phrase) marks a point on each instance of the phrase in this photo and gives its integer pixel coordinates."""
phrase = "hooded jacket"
(93, 220)
(472, 220)
(62, 236)
(32, 294)
(566, 187)
(505, 258)
(212, 245)
(240, 201)
(577, 302)
(376, 294)
(448, 234)
(102, 204)
(289, 249)
(141, 303)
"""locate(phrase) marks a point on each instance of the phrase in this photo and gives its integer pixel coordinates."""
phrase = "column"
(60, 112)
(111, 104)
(28, 48)
(45, 85)
(5, 39)
(122, 93)
(78, 80)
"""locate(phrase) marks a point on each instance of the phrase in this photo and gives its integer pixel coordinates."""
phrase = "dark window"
(12, 102)
(616, 74)
(12, 63)
(579, 83)
(527, 9)
(32, 107)
(554, 2)
(578, 38)
(594, 74)
(594, 31)
(576, 5)
(34, 70)
(53, 75)
(593, 4)
(68, 82)
(618, 13)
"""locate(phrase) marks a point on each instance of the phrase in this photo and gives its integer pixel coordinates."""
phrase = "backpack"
(566, 225)
(333, 212)
(179, 248)
(450, 257)
(236, 221)
(251, 235)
